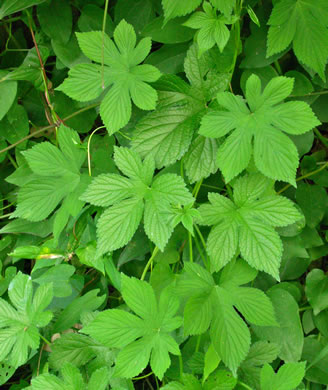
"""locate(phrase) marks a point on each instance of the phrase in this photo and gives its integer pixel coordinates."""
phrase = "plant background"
(126, 148)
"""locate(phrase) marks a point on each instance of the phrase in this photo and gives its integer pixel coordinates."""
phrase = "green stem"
(45, 340)
(5, 216)
(12, 161)
(150, 261)
(206, 262)
(277, 65)
(304, 177)
(197, 188)
(200, 250)
(198, 343)
(180, 365)
(311, 94)
(89, 143)
(244, 385)
(190, 247)
(304, 308)
(137, 378)
(323, 139)
(103, 45)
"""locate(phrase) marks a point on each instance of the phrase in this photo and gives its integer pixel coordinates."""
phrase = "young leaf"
(212, 28)
(264, 120)
(248, 224)
(301, 23)
(128, 79)
(20, 321)
(140, 338)
(214, 305)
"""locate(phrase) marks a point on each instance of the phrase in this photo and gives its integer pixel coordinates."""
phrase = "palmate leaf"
(55, 175)
(143, 337)
(301, 22)
(248, 224)
(212, 28)
(128, 80)
(20, 321)
(264, 120)
(128, 198)
(212, 305)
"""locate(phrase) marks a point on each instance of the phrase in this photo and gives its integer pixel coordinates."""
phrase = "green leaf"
(258, 241)
(210, 304)
(73, 348)
(117, 225)
(157, 221)
(255, 306)
(72, 313)
(212, 360)
(229, 334)
(140, 338)
(313, 201)
(130, 164)
(19, 324)
(275, 155)
(301, 23)
(173, 9)
(56, 20)
(200, 160)
(247, 224)
(11, 6)
(108, 189)
(316, 290)
(46, 160)
(71, 379)
(225, 6)
(166, 133)
(222, 244)
(289, 335)
(128, 79)
(171, 32)
(39, 197)
(84, 82)
(8, 91)
(129, 197)
(288, 377)
(212, 29)
(59, 276)
(15, 125)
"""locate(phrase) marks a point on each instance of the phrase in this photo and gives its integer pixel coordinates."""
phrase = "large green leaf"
(275, 155)
(143, 338)
(212, 305)
(128, 79)
(248, 224)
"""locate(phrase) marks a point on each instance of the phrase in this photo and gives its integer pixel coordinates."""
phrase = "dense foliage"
(164, 211)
